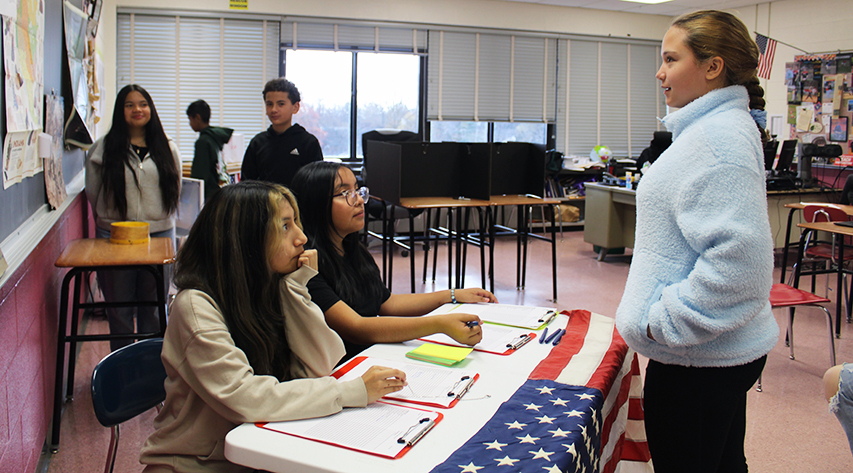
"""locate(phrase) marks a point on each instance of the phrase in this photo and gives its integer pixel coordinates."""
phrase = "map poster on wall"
(54, 182)
(20, 156)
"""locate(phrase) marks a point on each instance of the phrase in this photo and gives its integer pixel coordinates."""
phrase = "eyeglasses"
(351, 196)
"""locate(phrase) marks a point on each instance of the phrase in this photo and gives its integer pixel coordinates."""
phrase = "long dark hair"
(117, 155)
(350, 274)
(226, 257)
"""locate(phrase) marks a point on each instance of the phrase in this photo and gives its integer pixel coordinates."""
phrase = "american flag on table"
(579, 411)
(767, 48)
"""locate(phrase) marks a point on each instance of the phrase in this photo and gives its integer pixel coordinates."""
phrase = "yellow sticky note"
(441, 354)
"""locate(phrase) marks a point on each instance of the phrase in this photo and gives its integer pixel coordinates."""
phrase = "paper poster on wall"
(20, 156)
(23, 54)
(76, 22)
(8, 8)
(54, 182)
(805, 113)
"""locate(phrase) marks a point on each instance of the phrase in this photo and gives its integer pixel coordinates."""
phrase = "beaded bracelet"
(453, 295)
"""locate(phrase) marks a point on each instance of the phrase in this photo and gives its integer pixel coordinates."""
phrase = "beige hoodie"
(211, 388)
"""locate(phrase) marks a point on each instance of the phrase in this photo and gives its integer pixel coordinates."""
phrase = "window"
(472, 132)
(324, 80)
(523, 132)
(387, 93)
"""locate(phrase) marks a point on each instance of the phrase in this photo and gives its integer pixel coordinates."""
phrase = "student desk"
(452, 205)
(90, 254)
(500, 377)
(610, 217)
(838, 232)
(793, 208)
(524, 203)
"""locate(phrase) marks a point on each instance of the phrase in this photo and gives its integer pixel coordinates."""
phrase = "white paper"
(506, 314)
(496, 338)
(426, 384)
(372, 429)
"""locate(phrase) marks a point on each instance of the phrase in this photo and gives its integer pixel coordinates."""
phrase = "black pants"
(696, 417)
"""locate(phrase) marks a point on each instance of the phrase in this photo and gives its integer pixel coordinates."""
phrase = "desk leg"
(839, 242)
(787, 244)
(412, 249)
(518, 227)
(60, 359)
(482, 238)
(72, 340)
(161, 297)
(526, 239)
(458, 248)
(492, 215)
(554, 210)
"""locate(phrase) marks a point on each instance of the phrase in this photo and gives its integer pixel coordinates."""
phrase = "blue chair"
(126, 383)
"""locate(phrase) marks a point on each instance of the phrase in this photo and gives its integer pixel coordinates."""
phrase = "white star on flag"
(470, 468)
(571, 449)
(552, 469)
(506, 461)
(585, 396)
(528, 439)
(560, 432)
(546, 420)
(495, 445)
(541, 454)
(517, 425)
(532, 406)
(559, 402)
(545, 390)
(574, 413)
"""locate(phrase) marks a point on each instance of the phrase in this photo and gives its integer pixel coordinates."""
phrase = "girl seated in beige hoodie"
(244, 342)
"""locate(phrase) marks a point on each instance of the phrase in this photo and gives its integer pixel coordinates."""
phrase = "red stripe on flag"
(621, 398)
(614, 460)
(569, 346)
(635, 451)
(635, 409)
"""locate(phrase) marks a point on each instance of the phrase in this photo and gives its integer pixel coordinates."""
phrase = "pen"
(520, 343)
(558, 338)
(544, 335)
(472, 323)
(551, 337)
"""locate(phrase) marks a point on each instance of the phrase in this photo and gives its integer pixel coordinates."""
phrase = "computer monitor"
(786, 156)
(770, 154)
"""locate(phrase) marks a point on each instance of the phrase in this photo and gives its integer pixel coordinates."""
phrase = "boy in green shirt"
(208, 164)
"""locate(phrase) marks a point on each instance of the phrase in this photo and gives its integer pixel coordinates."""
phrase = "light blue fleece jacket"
(702, 267)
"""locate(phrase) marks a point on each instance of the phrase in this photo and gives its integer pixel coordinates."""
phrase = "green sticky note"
(439, 354)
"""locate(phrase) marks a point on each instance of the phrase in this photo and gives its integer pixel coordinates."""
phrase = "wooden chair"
(783, 295)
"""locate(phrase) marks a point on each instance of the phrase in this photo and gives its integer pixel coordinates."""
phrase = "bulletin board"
(820, 98)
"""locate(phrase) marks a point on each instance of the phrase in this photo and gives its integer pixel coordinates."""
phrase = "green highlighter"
(439, 354)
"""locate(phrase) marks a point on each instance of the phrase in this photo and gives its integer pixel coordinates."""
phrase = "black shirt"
(325, 297)
(275, 157)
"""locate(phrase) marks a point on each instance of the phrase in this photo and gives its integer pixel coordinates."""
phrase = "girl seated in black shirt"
(349, 288)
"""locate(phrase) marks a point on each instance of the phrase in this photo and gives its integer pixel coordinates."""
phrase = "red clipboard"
(404, 447)
(357, 360)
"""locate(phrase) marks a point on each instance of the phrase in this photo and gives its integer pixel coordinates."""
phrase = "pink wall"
(29, 302)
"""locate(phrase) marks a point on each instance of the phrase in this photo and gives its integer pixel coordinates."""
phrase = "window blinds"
(180, 59)
(490, 77)
(308, 34)
(607, 95)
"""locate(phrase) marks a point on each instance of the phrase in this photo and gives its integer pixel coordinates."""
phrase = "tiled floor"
(789, 427)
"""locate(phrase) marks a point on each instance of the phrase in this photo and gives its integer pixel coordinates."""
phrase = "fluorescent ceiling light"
(651, 2)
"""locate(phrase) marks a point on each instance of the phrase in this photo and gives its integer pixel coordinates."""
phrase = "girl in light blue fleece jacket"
(696, 298)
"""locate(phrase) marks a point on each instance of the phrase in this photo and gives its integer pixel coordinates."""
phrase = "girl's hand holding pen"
(464, 328)
(309, 258)
(381, 381)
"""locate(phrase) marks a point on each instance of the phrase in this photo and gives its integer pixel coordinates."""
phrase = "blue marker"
(548, 340)
(544, 335)
(472, 323)
(559, 337)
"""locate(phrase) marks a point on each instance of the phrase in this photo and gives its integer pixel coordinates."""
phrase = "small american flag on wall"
(767, 47)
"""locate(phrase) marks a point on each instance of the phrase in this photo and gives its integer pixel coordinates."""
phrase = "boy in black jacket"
(276, 154)
(208, 164)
